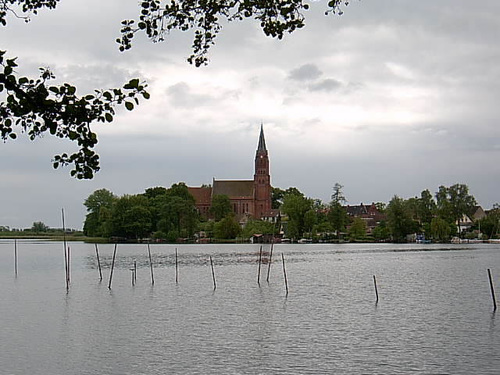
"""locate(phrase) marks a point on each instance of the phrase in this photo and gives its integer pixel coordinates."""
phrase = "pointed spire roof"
(262, 140)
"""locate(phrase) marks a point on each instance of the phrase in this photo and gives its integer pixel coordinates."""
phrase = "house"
(369, 213)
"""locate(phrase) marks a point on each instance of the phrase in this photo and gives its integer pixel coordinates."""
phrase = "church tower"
(262, 179)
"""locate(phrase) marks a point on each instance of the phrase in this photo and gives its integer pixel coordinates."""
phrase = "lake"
(434, 314)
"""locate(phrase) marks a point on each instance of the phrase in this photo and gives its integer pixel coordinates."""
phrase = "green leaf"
(108, 117)
(129, 106)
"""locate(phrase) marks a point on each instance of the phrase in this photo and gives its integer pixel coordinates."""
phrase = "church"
(249, 198)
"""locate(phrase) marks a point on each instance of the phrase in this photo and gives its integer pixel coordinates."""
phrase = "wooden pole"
(376, 289)
(284, 273)
(132, 272)
(213, 272)
(492, 291)
(112, 268)
(15, 256)
(65, 251)
(260, 263)
(69, 265)
(151, 266)
(176, 268)
(98, 262)
(135, 271)
(270, 261)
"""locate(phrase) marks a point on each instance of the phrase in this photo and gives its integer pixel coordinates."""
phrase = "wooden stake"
(65, 250)
(135, 271)
(284, 273)
(151, 266)
(376, 290)
(213, 273)
(15, 256)
(270, 261)
(176, 268)
(98, 262)
(260, 263)
(112, 268)
(69, 266)
(492, 291)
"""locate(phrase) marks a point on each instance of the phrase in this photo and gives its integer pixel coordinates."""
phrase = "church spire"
(262, 141)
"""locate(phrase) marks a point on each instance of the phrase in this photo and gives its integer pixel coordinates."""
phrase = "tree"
(131, 217)
(34, 107)
(295, 206)
(98, 219)
(39, 227)
(98, 199)
(338, 194)
(277, 196)
(454, 202)
(310, 219)
(440, 229)
(426, 207)
(221, 206)
(258, 227)
(399, 220)
(381, 232)
(173, 210)
(228, 228)
(205, 18)
(490, 224)
(337, 214)
(357, 231)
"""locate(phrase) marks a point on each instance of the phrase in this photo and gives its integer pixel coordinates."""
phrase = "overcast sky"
(391, 98)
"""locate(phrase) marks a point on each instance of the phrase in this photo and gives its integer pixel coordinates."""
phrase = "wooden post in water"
(65, 250)
(98, 262)
(135, 271)
(151, 266)
(376, 290)
(176, 268)
(492, 291)
(132, 272)
(15, 256)
(213, 272)
(284, 273)
(270, 261)
(112, 268)
(260, 263)
(69, 265)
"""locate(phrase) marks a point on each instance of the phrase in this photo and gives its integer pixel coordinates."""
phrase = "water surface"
(434, 315)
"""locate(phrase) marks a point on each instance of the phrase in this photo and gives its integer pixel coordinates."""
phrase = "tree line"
(435, 217)
(170, 214)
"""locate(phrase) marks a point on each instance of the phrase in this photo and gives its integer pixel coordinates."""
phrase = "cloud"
(328, 85)
(306, 72)
(397, 97)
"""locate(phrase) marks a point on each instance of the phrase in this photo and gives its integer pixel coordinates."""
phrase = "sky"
(391, 98)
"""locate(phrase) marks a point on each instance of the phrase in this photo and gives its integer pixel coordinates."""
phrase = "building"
(249, 198)
(369, 213)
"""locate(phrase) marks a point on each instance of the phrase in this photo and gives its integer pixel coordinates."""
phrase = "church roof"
(233, 188)
(262, 140)
(202, 195)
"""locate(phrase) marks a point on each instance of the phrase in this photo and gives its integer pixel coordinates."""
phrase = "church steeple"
(262, 178)
(262, 140)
